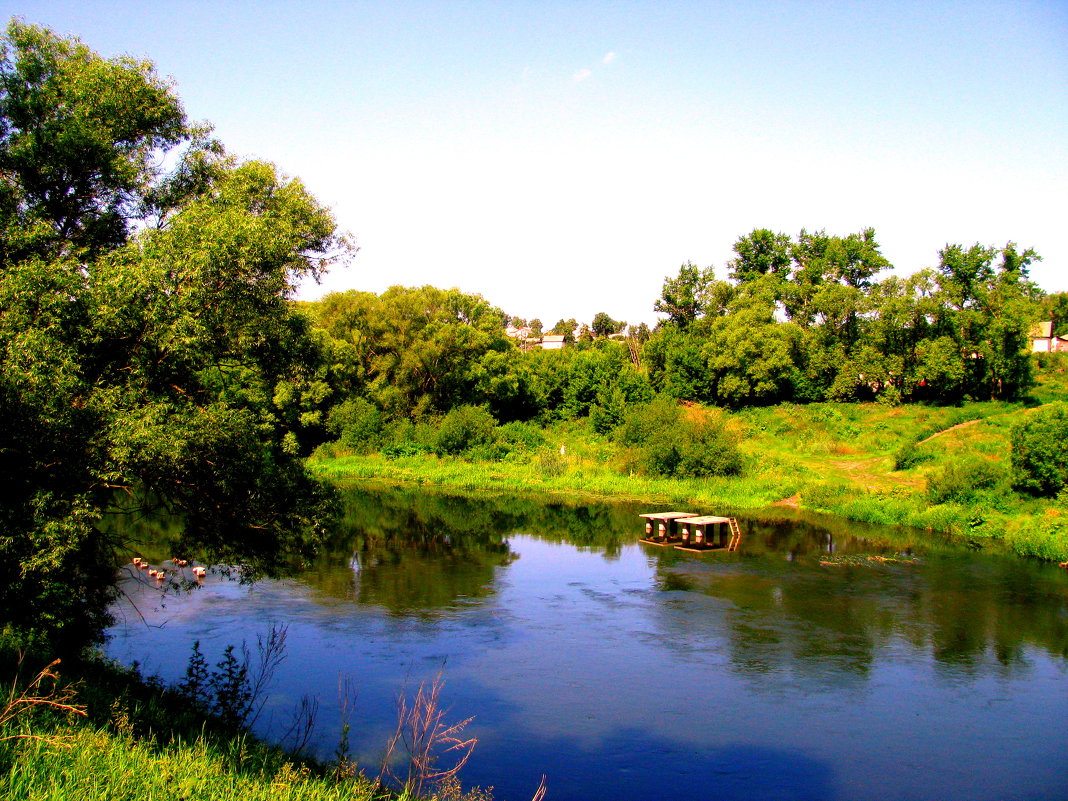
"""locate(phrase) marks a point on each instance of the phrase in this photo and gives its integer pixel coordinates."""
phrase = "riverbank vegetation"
(93, 729)
(949, 469)
(800, 379)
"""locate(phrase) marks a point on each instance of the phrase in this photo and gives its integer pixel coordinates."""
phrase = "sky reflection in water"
(814, 664)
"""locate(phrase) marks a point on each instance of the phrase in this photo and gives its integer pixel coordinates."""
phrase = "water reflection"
(823, 660)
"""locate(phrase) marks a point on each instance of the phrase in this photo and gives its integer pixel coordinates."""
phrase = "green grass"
(840, 459)
(139, 740)
(77, 762)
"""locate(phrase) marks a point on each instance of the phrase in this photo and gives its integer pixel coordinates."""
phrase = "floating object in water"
(136, 561)
(199, 572)
(661, 528)
(690, 532)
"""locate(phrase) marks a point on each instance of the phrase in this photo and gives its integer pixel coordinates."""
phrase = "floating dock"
(662, 528)
(689, 532)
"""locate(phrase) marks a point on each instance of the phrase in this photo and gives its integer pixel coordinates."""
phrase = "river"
(823, 660)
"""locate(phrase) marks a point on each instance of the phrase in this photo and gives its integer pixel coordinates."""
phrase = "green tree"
(748, 356)
(603, 325)
(987, 308)
(425, 350)
(1040, 450)
(761, 253)
(1055, 309)
(683, 297)
(139, 360)
(78, 139)
(566, 329)
(821, 259)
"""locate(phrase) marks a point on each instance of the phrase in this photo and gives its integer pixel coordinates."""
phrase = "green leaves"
(169, 362)
(1040, 451)
(683, 297)
(78, 136)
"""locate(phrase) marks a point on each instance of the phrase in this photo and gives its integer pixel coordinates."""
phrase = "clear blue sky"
(562, 158)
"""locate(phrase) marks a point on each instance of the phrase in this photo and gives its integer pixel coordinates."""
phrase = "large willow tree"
(144, 327)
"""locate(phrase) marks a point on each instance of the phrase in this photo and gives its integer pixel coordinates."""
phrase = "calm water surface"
(824, 661)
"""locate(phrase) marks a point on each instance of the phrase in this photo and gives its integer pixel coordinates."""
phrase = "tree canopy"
(144, 329)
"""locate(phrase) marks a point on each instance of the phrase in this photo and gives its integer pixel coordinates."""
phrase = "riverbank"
(118, 735)
(945, 469)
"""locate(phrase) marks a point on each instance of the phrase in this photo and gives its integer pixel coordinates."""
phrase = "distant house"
(1043, 341)
(552, 342)
(522, 332)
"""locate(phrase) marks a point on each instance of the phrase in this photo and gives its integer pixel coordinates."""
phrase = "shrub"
(357, 423)
(408, 438)
(670, 445)
(641, 422)
(966, 481)
(518, 437)
(465, 428)
(910, 455)
(1040, 451)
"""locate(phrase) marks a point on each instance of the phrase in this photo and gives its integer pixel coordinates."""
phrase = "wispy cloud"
(585, 73)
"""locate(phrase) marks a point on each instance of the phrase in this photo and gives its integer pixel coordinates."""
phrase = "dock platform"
(662, 528)
(689, 532)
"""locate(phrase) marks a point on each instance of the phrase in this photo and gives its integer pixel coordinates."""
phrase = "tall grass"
(103, 732)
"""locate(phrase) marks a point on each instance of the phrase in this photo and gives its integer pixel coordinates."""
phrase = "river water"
(824, 660)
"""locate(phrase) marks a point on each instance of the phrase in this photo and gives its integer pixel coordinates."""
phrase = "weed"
(235, 691)
(43, 692)
(427, 740)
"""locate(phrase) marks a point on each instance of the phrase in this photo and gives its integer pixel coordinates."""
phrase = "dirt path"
(980, 419)
(951, 428)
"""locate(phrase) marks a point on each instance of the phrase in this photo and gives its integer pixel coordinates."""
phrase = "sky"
(562, 159)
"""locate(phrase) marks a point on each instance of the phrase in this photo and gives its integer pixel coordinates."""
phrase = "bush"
(465, 428)
(357, 423)
(966, 482)
(520, 437)
(408, 438)
(668, 444)
(1040, 451)
(641, 422)
(910, 455)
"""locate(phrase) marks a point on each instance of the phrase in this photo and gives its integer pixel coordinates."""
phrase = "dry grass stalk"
(41, 693)
(427, 739)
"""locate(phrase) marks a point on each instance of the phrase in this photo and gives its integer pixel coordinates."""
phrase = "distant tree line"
(797, 319)
(805, 320)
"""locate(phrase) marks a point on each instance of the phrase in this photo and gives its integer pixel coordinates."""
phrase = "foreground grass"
(72, 763)
(865, 462)
(138, 740)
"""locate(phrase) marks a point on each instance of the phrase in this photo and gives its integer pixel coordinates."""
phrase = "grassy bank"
(117, 736)
(940, 468)
(100, 732)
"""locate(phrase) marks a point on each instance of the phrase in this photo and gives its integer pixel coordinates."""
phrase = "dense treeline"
(797, 320)
(804, 320)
